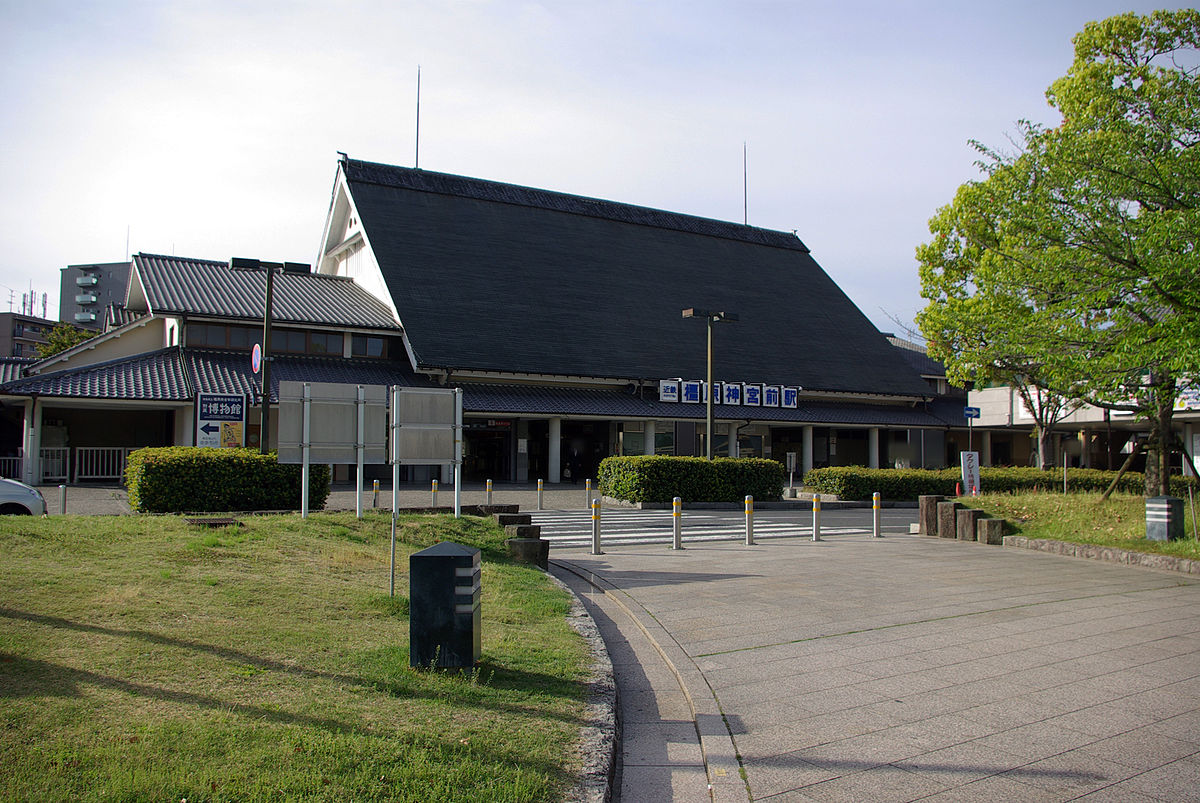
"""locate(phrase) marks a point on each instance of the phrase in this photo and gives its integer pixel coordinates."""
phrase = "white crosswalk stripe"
(565, 528)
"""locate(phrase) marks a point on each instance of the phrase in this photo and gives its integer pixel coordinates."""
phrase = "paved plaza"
(895, 669)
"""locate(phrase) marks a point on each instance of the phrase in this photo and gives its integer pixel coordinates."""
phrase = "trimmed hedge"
(855, 482)
(655, 478)
(190, 479)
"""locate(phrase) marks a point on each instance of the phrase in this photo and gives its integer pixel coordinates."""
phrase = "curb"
(722, 764)
(1106, 554)
(599, 736)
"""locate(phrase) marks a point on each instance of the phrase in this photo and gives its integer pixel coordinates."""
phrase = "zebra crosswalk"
(571, 528)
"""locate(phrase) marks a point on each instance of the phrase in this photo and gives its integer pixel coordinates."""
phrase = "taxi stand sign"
(220, 420)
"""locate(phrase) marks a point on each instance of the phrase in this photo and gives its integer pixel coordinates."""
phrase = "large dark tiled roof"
(205, 287)
(494, 277)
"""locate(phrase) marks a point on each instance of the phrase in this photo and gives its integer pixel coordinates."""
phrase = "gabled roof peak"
(484, 190)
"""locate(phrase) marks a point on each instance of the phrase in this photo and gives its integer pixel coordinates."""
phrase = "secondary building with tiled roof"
(187, 327)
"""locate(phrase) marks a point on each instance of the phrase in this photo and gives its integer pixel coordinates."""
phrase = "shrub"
(856, 482)
(655, 478)
(189, 479)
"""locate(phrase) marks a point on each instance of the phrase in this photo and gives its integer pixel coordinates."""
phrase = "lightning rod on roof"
(417, 156)
(745, 188)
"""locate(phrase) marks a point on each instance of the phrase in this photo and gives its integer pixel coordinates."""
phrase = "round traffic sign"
(256, 358)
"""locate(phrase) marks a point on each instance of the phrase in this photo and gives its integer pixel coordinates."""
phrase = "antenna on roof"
(126, 242)
(745, 188)
(417, 156)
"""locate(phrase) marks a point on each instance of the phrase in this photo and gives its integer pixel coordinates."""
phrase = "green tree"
(62, 337)
(1076, 255)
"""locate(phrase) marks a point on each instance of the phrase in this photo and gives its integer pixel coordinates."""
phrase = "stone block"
(947, 523)
(990, 531)
(529, 550)
(967, 520)
(928, 513)
(505, 519)
(523, 530)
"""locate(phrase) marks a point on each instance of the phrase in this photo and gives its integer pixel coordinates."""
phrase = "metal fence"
(10, 467)
(56, 464)
(100, 463)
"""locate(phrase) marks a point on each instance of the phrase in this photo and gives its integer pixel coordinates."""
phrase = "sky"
(211, 129)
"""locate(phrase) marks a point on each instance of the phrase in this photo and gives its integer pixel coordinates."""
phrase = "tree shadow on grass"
(406, 684)
(21, 676)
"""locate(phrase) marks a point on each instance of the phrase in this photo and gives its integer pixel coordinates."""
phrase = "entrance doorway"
(487, 451)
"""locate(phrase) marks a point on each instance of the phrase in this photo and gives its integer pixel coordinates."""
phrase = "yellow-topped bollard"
(816, 535)
(749, 521)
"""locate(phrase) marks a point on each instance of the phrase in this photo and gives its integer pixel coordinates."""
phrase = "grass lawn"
(142, 658)
(1083, 518)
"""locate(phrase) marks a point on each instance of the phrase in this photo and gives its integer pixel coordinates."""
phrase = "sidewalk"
(897, 669)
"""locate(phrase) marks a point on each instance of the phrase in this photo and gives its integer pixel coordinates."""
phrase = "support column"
(31, 443)
(554, 451)
(873, 447)
(985, 449)
(806, 449)
(648, 435)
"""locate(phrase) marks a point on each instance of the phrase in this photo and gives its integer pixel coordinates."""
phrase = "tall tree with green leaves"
(62, 337)
(1075, 257)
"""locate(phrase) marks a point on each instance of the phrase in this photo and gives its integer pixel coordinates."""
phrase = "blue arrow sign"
(971, 412)
(210, 429)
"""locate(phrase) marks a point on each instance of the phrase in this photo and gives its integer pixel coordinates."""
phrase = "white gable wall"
(345, 250)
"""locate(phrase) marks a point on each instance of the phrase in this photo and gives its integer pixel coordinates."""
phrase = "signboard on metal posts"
(333, 425)
(426, 426)
(220, 420)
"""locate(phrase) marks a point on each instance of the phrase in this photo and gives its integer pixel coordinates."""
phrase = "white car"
(17, 498)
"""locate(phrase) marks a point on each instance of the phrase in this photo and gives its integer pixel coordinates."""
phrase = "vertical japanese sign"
(220, 420)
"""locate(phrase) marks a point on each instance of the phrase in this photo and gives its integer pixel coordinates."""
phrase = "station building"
(560, 316)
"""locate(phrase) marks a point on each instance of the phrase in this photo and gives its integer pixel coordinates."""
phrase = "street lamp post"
(710, 317)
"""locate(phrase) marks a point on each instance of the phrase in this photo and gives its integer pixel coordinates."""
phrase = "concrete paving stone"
(1117, 793)
(651, 705)
(1102, 721)
(1185, 727)
(893, 667)
(1072, 773)
(994, 789)
(1179, 779)
(1094, 665)
(865, 751)
(1056, 701)
(913, 708)
(1159, 704)
(783, 773)
(1048, 677)
(655, 783)
(882, 784)
(944, 730)
(823, 728)
(839, 699)
(1036, 741)
(761, 742)
(1169, 669)
(910, 684)
(961, 764)
(987, 690)
(1142, 749)
(661, 744)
